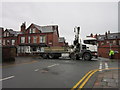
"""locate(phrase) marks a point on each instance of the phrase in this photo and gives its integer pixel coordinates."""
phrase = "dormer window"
(32, 30)
(6, 34)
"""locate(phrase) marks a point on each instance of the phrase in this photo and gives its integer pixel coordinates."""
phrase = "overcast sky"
(92, 17)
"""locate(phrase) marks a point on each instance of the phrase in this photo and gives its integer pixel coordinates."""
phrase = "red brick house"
(8, 42)
(9, 37)
(34, 37)
(106, 42)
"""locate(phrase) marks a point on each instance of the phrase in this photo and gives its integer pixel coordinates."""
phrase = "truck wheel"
(51, 56)
(77, 57)
(87, 56)
(45, 56)
(73, 56)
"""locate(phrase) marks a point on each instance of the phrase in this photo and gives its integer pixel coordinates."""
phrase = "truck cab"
(90, 43)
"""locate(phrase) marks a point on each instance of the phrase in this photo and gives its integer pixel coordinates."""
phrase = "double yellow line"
(80, 84)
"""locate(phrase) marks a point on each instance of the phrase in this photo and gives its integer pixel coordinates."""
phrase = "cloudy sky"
(92, 17)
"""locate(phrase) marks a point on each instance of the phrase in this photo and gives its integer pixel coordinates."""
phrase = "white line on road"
(53, 65)
(36, 70)
(106, 66)
(100, 67)
(7, 78)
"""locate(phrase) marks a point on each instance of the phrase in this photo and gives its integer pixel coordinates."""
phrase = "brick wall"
(104, 51)
(55, 39)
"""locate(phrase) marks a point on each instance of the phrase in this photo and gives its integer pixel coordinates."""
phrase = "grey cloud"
(93, 17)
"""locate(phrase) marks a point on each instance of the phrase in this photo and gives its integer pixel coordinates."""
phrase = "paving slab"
(107, 79)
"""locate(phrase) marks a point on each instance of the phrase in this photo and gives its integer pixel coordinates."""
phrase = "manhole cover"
(44, 70)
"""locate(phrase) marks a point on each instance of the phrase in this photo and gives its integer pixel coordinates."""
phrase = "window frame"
(42, 39)
(29, 39)
(13, 43)
(34, 39)
(22, 39)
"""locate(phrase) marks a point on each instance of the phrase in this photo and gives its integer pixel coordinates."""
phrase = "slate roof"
(45, 29)
(109, 36)
(13, 32)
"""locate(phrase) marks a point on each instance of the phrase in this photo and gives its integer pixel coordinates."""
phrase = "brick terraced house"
(9, 37)
(106, 42)
(33, 38)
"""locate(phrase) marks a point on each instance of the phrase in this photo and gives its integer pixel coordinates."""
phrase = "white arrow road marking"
(7, 78)
(53, 65)
(106, 66)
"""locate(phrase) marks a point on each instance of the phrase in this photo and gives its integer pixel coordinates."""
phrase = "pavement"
(107, 79)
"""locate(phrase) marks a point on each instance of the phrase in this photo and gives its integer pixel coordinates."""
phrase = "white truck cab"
(90, 43)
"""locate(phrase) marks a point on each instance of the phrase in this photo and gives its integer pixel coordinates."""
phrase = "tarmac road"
(52, 73)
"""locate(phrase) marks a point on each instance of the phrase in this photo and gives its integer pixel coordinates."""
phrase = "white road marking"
(7, 78)
(100, 67)
(106, 66)
(36, 70)
(53, 65)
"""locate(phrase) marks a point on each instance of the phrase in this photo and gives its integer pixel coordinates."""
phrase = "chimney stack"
(91, 35)
(23, 27)
(108, 32)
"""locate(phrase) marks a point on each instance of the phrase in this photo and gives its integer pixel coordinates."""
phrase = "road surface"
(52, 73)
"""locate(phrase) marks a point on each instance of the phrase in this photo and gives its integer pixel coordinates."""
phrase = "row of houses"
(106, 42)
(34, 37)
(31, 39)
